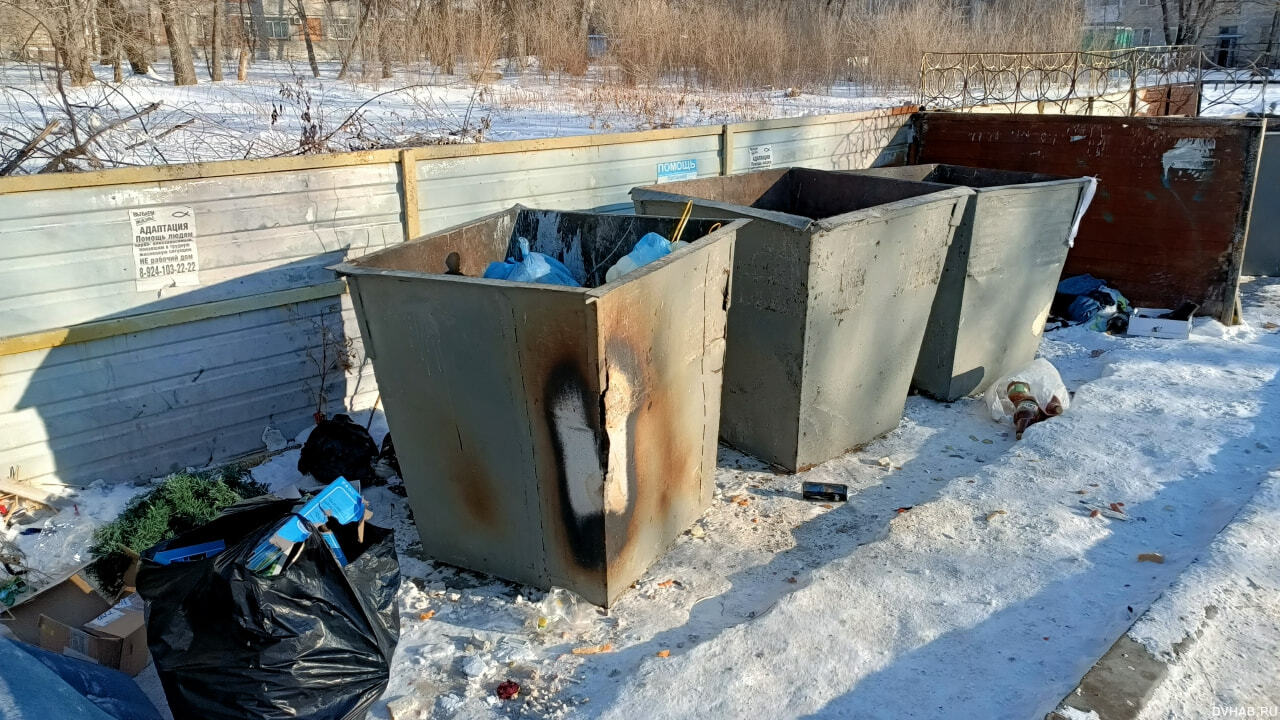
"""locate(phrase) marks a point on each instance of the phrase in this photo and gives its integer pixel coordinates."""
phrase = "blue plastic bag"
(647, 249)
(534, 268)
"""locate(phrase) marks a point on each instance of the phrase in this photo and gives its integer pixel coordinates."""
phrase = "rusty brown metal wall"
(551, 435)
(1169, 219)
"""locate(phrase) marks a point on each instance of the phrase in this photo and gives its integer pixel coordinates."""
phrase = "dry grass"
(721, 44)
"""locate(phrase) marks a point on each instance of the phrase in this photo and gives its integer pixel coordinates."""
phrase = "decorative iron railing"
(1108, 82)
(1176, 79)
(1240, 79)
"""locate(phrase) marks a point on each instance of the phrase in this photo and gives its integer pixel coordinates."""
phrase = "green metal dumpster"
(551, 435)
(833, 282)
(998, 283)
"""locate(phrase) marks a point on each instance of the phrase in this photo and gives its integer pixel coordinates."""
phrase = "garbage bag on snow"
(338, 447)
(1043, 380)
(314, 642)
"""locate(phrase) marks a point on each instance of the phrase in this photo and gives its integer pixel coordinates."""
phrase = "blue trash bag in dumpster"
(532, 267)
(313, 641)
(647, 249)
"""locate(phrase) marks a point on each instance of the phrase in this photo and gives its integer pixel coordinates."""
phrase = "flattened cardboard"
(71, 600)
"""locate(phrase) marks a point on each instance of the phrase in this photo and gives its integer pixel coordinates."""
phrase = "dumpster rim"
(893, 209)
(348, 269)
(799, 222)
(1034, 185)
(803, 223)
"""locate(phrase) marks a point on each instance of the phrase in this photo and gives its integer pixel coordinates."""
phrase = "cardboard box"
(117, 638)
(71, 599)
(1146, 322)
(72, 618)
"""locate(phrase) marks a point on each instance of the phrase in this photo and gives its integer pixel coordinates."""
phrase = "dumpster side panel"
(1262, 252)
(662, 339)
(871, 288)
(989, 314)
(1173, 201)
(451, 358)
(765, 358)
(764, 364)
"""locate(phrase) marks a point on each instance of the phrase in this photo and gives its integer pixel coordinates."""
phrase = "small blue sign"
(678, 170)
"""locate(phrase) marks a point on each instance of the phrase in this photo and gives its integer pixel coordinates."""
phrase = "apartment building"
(1238, 32)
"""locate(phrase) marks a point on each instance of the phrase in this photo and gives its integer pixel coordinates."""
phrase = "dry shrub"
(888, 41)
(722, 44)
(550, 30)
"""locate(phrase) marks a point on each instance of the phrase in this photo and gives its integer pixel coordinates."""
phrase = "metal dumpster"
(833, 282)
(551, 435)
(998, 283)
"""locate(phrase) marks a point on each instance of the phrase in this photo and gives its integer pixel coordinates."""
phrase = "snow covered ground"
(282, 110)
(969, 578)
(263, 116)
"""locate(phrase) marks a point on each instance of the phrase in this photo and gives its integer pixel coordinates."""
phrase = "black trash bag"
(315, 642)
(338, 448)
(388, 454)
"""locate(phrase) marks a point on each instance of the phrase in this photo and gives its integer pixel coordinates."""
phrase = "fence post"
(1199, 84)
(1133, 85)
(726, 149)
(409, 194)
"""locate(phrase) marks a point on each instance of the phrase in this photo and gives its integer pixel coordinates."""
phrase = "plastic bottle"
(1026, 411)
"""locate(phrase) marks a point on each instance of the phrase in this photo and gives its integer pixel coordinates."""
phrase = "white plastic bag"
(1043, 379)
(561, 610)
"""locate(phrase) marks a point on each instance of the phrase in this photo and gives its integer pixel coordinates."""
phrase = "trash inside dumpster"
(549, 434)
(997, 286)
(310, 636)
(833, 282)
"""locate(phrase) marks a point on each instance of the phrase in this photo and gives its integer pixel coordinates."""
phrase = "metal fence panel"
(456, 190)
(68, 255)
(144, 404)
(849, 145)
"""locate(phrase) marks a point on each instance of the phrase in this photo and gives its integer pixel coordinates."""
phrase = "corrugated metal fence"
(108, 372)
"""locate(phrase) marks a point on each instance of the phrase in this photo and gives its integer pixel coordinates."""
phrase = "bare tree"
(1184, 21)
(175, 31)
(69, 33)
(125, 31)
(1272, 39)
(300, 6)
(215, 43)
(246, 38)
(356, 38)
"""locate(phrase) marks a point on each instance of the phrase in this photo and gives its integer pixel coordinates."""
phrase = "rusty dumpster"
(834, 279)
(999, 279)
(551, 435)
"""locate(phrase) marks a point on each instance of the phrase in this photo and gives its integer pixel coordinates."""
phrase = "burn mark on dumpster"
(579, 447)
(658, 461)
(470, 481)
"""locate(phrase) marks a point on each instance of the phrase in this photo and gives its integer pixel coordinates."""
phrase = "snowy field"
(264, 116)
(967, 576)
(282, 110)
